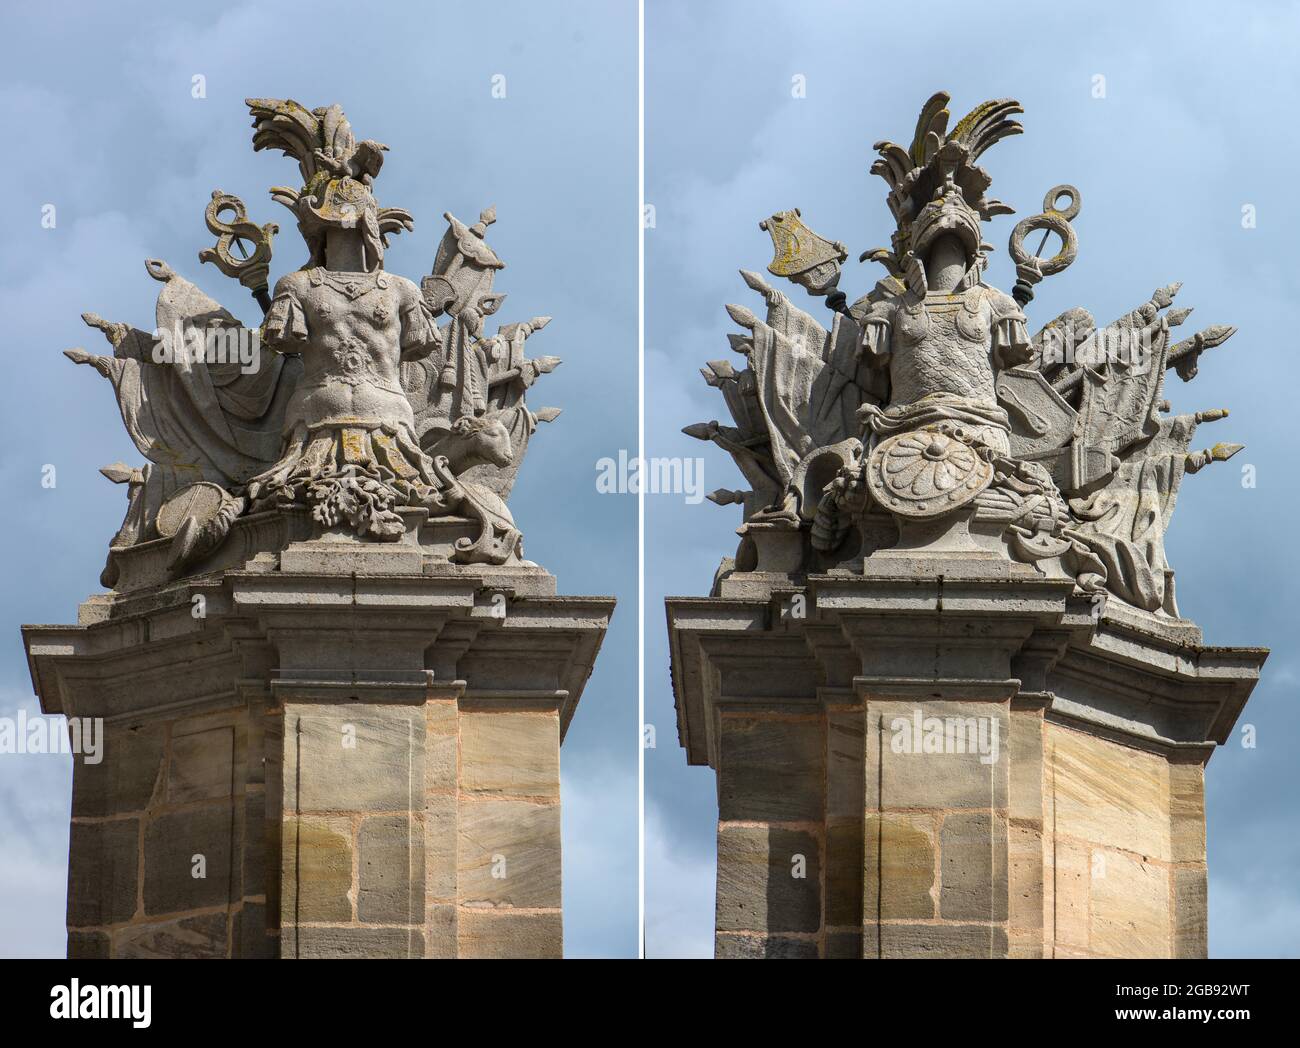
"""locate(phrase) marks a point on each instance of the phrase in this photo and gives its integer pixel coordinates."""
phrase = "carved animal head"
(473, 442)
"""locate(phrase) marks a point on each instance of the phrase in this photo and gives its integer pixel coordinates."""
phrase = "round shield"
(926, 473)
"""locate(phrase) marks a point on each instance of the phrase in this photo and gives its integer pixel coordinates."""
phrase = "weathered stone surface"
(899, 861)
(87, 946)
(174, 878)
(844, 946)
(441, 846)
(353, 758)
(252, 937)
(442, 717)
(1026, 948)
(512, 754)
(502, 934)
(973, 867)
(204, 935)
(390, 868)
(844, 872)
(1186, 813)
(902, 772)
(317, 869)
(323, 942)
(440, 931)
(1070, 873)
(297, 618)
(756, 947)
(103, 870)
(758, 889)
(201, 766)
(127, 777)
(1025, 862)
(1130, 907)
(1191, 931)
(1025, 753)
(258, 851)
(1110, 794)
(772, 769)
(940, 940)
(508, 853)
(441, 761)
(845, 768)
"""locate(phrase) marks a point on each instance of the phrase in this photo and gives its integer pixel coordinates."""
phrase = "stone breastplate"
(943, 345)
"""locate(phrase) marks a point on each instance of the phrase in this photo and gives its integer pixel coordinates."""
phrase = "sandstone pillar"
(338, 750)
(332, 689)
(951, 762)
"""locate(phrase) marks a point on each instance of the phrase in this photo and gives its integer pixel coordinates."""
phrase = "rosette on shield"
(927, 472)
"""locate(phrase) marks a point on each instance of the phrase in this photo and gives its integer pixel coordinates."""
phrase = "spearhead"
(1184, 356)
(755, 282)
(120, 473)
(1164, 296)
(1217, 334)
(742, 316)
(726, 497)
(1198, 460)
(1223, 452)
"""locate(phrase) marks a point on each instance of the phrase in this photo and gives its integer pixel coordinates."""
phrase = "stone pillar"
(323, 754)
(426, 828)
(958, 760)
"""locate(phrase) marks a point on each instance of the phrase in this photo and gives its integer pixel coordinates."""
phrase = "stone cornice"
(1136, 678)
(457, 634)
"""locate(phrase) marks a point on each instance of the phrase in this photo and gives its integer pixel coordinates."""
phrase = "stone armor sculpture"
(928, 415)
(363, 408)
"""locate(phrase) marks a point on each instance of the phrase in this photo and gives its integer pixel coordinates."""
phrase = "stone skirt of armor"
(355, 474)
(982, 422)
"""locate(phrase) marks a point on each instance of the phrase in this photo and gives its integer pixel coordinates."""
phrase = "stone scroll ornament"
(925, 414)
(351, 400)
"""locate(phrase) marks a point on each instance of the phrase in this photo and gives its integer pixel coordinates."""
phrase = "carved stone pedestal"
(341, 749)
(952, 758)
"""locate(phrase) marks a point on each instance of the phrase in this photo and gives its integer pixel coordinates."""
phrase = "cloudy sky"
(1194, 125)
(101, 122)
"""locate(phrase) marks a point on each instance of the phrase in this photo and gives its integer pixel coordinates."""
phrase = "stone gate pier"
(953, 707)
(338, 750)
(957, 764)
(333, 690)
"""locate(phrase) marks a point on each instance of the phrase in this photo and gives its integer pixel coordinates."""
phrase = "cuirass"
(943, 345)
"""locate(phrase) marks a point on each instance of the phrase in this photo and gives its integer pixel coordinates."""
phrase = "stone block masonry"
(1028, 800)
(324, 765)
